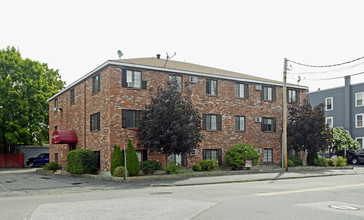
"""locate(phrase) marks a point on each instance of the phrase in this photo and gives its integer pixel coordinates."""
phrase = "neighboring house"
(344, 106)
(102, 109)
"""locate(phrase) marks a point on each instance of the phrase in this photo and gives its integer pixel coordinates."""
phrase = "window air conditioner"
(194, 152)
(193, 79)
(258, 119)
(258, 87)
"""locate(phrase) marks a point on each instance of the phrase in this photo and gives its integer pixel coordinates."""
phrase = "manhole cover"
(343, 207)
(161, 193)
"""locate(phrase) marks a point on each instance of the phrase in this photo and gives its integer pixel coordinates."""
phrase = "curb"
(196, 174)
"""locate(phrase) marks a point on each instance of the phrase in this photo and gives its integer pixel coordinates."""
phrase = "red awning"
(64, 137)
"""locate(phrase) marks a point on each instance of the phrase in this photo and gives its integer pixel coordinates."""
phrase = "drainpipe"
(85, 126)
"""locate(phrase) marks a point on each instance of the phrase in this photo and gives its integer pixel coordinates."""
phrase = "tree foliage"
(341, 139)
(170, 122)
(132, 163)
(239, 153)
(25, 86)
(307, 129)
(117, 159)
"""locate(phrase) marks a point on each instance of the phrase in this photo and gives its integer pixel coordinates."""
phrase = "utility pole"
(285, 113)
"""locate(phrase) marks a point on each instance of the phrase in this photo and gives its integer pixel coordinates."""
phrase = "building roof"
(180, 67)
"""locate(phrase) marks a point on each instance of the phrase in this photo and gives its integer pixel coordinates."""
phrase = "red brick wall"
(112, 98)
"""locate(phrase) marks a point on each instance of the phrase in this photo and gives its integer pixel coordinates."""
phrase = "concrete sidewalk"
(202, 178)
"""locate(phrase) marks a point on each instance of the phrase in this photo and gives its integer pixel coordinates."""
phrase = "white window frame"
(362, 141)
(178, 79)
(134, 79)
(239, 90)
(267, 93)
(362, 120)
(175, 158)
(292, 96)
(332, 121)
(332, 103)
(239, 123)
(211, 122)
(356, 99)
(268, 155)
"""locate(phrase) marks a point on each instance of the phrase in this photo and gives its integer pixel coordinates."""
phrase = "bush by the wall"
(321, 162)
(132, 162)
(237, 154)
(290, 163)
(119, 171)
(149, 166)
(209, 165)
(81, 161)
(51, 166)
(331, 162)
(297, 161)
(340, 161)
(196, 167)
(172, 168)
(117, 159)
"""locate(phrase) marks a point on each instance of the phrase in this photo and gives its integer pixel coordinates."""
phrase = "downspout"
(85, 118)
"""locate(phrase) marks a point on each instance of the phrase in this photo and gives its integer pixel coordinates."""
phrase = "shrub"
(172, 168)
(340, 161)
(296, 160)
(149, 166)
(132, 162)
(51, 166)
(117, 159)
(321, 162)
(290, 163)
(237, 154)
(119, 171)
(331, 162)
(196, 167)
(209, 165)
(81, 161)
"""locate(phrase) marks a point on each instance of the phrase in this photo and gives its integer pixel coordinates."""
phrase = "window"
(360, 141)
(179, 159)
(212, 154)
(268, 93)
(268, 155)
(329, 121)
(95, 122)
(211, 87)
(55, 104)
(241, 90)
(211, 122)
(72, 96)
(56, 128)
(329, 104)
(269, 124)
(293, 96)
(178, 79)
(131, 118)
(239, 123)
(56, 157)
(359, 99)
(359, 120)
(96, 83)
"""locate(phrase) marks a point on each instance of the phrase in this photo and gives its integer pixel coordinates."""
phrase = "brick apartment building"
(101, 109)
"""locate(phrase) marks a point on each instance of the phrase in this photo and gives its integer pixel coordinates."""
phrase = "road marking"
(308, 190)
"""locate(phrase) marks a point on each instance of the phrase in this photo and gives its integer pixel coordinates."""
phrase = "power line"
(325, 66)
(338, 77)
(326, 71)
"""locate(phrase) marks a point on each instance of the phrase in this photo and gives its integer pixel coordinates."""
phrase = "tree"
(25, 86)
(170, 123)
(307, 129)
(132, 163)
(117, 159)
(341, 140)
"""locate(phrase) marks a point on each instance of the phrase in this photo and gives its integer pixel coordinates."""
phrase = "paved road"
(60, 197)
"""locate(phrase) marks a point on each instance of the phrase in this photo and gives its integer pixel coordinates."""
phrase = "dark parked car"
(355, 157)
(40, 160)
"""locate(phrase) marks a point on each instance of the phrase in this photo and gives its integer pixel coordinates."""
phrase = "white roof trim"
(110, 62)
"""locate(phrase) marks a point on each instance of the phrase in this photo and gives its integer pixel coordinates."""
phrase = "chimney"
(158, 56)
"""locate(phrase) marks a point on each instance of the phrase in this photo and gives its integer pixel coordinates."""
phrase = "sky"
(250, 37)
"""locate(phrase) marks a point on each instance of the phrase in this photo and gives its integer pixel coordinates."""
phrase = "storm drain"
(46, 178)
(76, 183)
(161, 193)
(343, 207)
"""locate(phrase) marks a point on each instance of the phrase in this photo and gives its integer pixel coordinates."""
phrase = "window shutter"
(184, 160)
(144, 84)
(262, 92)
(203, 121)
(124, 113)
(237, 123)
(203, 154)
(217, 87)
(145, 155)
(208, 86)
(123, 78)
(274, 94)
(274, 124)
(263, 124)
(219, 127)
(90, 123)
(236, 90)
(220, 156)
(246, 92)
(298, 96)
(98, 121)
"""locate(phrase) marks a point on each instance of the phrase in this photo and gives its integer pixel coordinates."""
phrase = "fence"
(11, 160)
